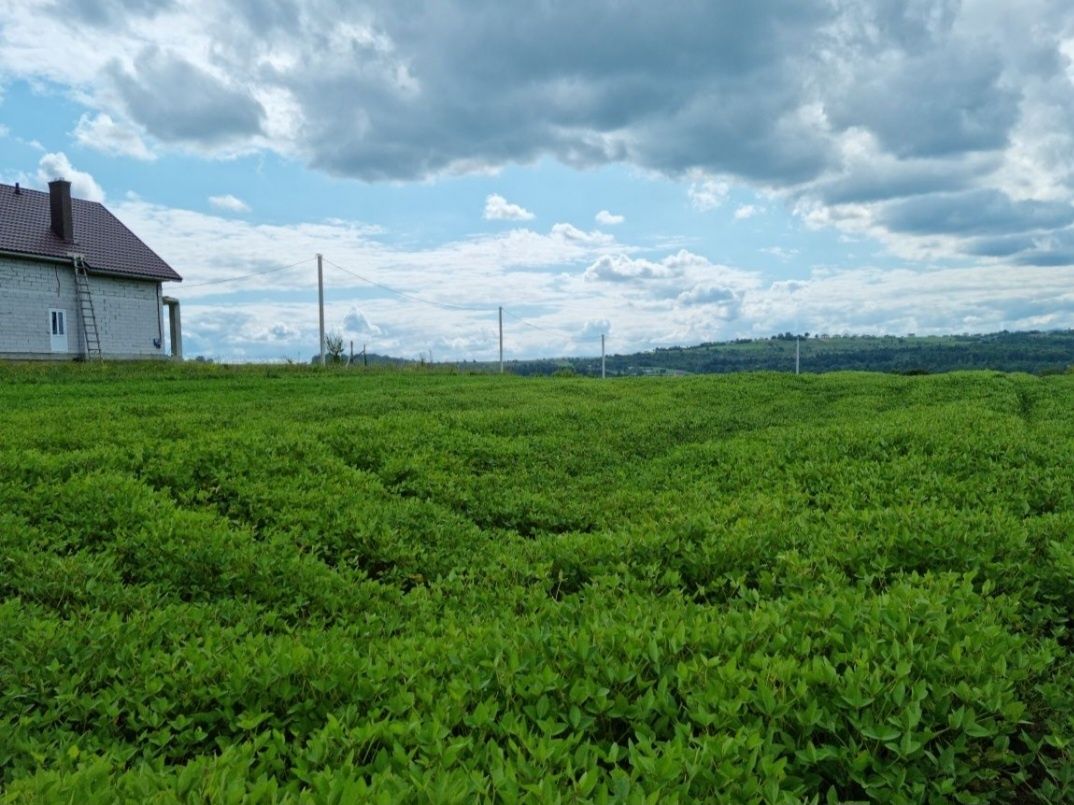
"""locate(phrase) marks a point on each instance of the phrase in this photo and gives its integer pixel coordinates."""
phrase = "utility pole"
(501, 339)
(797, 354)
(365, 358)
(602, 375)
(320, 301)
(350, 363)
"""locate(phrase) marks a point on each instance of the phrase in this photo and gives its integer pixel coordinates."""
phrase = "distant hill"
(1033, 351)
(1037, 352)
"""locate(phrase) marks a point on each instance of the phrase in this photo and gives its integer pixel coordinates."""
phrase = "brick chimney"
(59, 192)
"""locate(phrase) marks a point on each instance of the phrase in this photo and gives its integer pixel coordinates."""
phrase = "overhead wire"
(537, 326)
(405, 295)
(388, 288)
(447, 305)
(246, 276)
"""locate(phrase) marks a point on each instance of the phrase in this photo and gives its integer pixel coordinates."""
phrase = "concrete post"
(320, 302)
(175, 326)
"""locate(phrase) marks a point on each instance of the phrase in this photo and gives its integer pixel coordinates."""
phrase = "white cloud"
(595, 328)
(229, 203)
(961, 95)
(747, 211)
(58, 166)
(281, 331)
(620, 268)
(497, 208)
(569, 282)
(780, 252)
(102, 133)
(357, 323)
(4, 130)
(606, 218)
(707, 193)
(702, 294)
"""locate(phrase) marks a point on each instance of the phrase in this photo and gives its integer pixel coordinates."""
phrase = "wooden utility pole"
(501, 339)
(320, 301)
(602, 375)
(797, 354)
(351, 361)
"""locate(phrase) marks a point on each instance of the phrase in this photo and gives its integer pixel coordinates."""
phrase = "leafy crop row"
(271, 585)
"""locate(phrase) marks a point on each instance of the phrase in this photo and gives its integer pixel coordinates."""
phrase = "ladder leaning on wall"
(86, 311)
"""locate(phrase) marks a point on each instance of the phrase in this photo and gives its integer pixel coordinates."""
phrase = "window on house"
(58, 323)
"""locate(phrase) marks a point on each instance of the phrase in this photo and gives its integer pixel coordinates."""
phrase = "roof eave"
(50, 258)
(47, 258)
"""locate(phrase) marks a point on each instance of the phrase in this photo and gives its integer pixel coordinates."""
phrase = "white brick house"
(76, 283)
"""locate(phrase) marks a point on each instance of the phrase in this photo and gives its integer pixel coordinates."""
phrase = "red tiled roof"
(107, 245)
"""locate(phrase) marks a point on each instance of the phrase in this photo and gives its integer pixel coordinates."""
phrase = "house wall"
(128, 312)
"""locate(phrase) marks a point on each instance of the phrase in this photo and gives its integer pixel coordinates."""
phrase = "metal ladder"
(86, 311)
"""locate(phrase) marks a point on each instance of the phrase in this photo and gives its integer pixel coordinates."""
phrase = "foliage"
(288, 584)
(1037, 352)
(333, 347)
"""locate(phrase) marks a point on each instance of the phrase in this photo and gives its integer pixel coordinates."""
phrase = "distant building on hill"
(76, 283)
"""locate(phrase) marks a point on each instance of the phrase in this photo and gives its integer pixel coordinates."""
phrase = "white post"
(501, 339)
(175, 327)
(320, 302)
(797, 354)
(602, 375)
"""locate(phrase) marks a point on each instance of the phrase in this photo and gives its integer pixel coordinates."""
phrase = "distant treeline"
(1034, 351)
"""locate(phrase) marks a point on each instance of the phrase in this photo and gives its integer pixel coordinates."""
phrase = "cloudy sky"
(666, 173)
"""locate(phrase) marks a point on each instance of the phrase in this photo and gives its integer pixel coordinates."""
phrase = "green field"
(285, 585)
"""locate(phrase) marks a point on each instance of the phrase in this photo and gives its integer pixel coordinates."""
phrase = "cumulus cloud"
(623, 268)
(707, 294)
(497, 208)
(967, 106)
(842, 109)
(385, 91)
(357, 323)
(181, 102)
(781, 252)
(58, 166)
(605, 218)
(109, 12)
(974, 212)
(101, 133)
(707, 194)
(745, 211)
(595, 328)
(281, 331)
(620, 268)
(229, 203)
(571, 283)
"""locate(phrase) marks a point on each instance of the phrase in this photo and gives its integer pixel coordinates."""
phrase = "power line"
(246, 276)
(537, 326)
(446, 305)
(405, 295)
